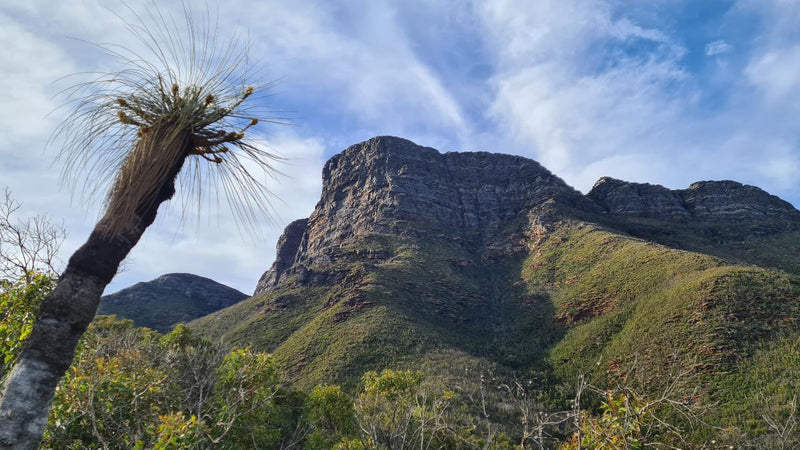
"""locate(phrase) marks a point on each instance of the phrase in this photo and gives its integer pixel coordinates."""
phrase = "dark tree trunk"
(63, 318)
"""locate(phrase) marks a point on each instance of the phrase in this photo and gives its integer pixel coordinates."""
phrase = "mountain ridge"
(470, 263)
(701, 198)
(169, 299)
(360, 166)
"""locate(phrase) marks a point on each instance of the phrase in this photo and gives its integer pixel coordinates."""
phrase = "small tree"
(394, 410)
(182, 108)
(330, 415)
(245, 412)
(27, 246)
(19, 302)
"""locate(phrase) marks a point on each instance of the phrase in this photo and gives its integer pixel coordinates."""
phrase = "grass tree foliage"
(182, 109)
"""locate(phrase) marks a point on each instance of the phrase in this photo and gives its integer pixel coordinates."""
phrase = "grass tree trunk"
(66, 313)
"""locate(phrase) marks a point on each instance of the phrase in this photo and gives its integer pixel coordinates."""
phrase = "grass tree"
(181, 115)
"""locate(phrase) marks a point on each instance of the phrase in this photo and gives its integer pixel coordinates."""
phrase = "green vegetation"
(19, 302)
(768, 242)
(639, 314)
(136, 388)
(581, 337)
(161, 314)
(579, 299)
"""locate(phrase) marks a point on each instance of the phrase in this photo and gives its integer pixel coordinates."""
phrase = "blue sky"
(659, 91)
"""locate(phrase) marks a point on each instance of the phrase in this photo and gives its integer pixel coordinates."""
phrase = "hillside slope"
(168, 300)
(464, 262)
(737, 222)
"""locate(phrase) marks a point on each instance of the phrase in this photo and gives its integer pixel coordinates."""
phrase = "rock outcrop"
(703, 200)
(621, 197)
(390, 185)
(386, 182)
(286, 254)
(734, 200)
(393, 187)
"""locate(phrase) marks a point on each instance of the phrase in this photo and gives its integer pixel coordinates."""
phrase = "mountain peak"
(709, 199)
(169, 299)
(388, 179)
(390, 185)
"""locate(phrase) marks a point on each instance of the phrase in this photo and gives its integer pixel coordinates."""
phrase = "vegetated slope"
(476, 261)
(737, 222)
(403, 260)
(647, 316)
(168, 300)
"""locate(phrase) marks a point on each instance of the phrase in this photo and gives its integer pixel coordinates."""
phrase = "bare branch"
(27, 245)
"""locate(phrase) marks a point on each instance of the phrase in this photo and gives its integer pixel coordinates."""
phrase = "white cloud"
(566, 95)
(774, 73)
(718, 48)
(781, 165)
(581, 85)
(589, 91)
(30, 64)
(774, 59)
(361, 60)
(37, 53)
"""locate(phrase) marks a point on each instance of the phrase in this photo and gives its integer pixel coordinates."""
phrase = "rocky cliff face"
(385, 183)
(464, 263)
(391, 185)
(620, 197)
(703, 199)
(286, 254)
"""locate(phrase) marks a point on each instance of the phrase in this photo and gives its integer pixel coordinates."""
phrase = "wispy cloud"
(718, 48)
(577, 84)
(588, 87)
(359, 64)
(590, 90)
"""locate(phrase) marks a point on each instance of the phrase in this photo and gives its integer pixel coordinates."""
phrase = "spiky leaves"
(128, 129)
(135, 129)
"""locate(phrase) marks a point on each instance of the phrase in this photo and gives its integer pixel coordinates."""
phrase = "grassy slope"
(637, 312)
(771, 243)
(432, 301)
(582, 295)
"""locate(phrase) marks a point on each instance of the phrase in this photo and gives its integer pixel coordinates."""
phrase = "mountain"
(462, 263)
(168, 300)
(737, 222)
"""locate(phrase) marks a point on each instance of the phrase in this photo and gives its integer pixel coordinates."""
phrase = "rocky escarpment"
(169, 299)
(286, 254)
(389, 185)
(737, 222)
(465, 263)
(703, 199)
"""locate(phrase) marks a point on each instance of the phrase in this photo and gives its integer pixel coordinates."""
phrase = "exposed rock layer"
(389, 185)
(706, 199)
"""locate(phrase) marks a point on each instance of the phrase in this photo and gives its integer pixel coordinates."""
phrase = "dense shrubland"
(135, 388)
